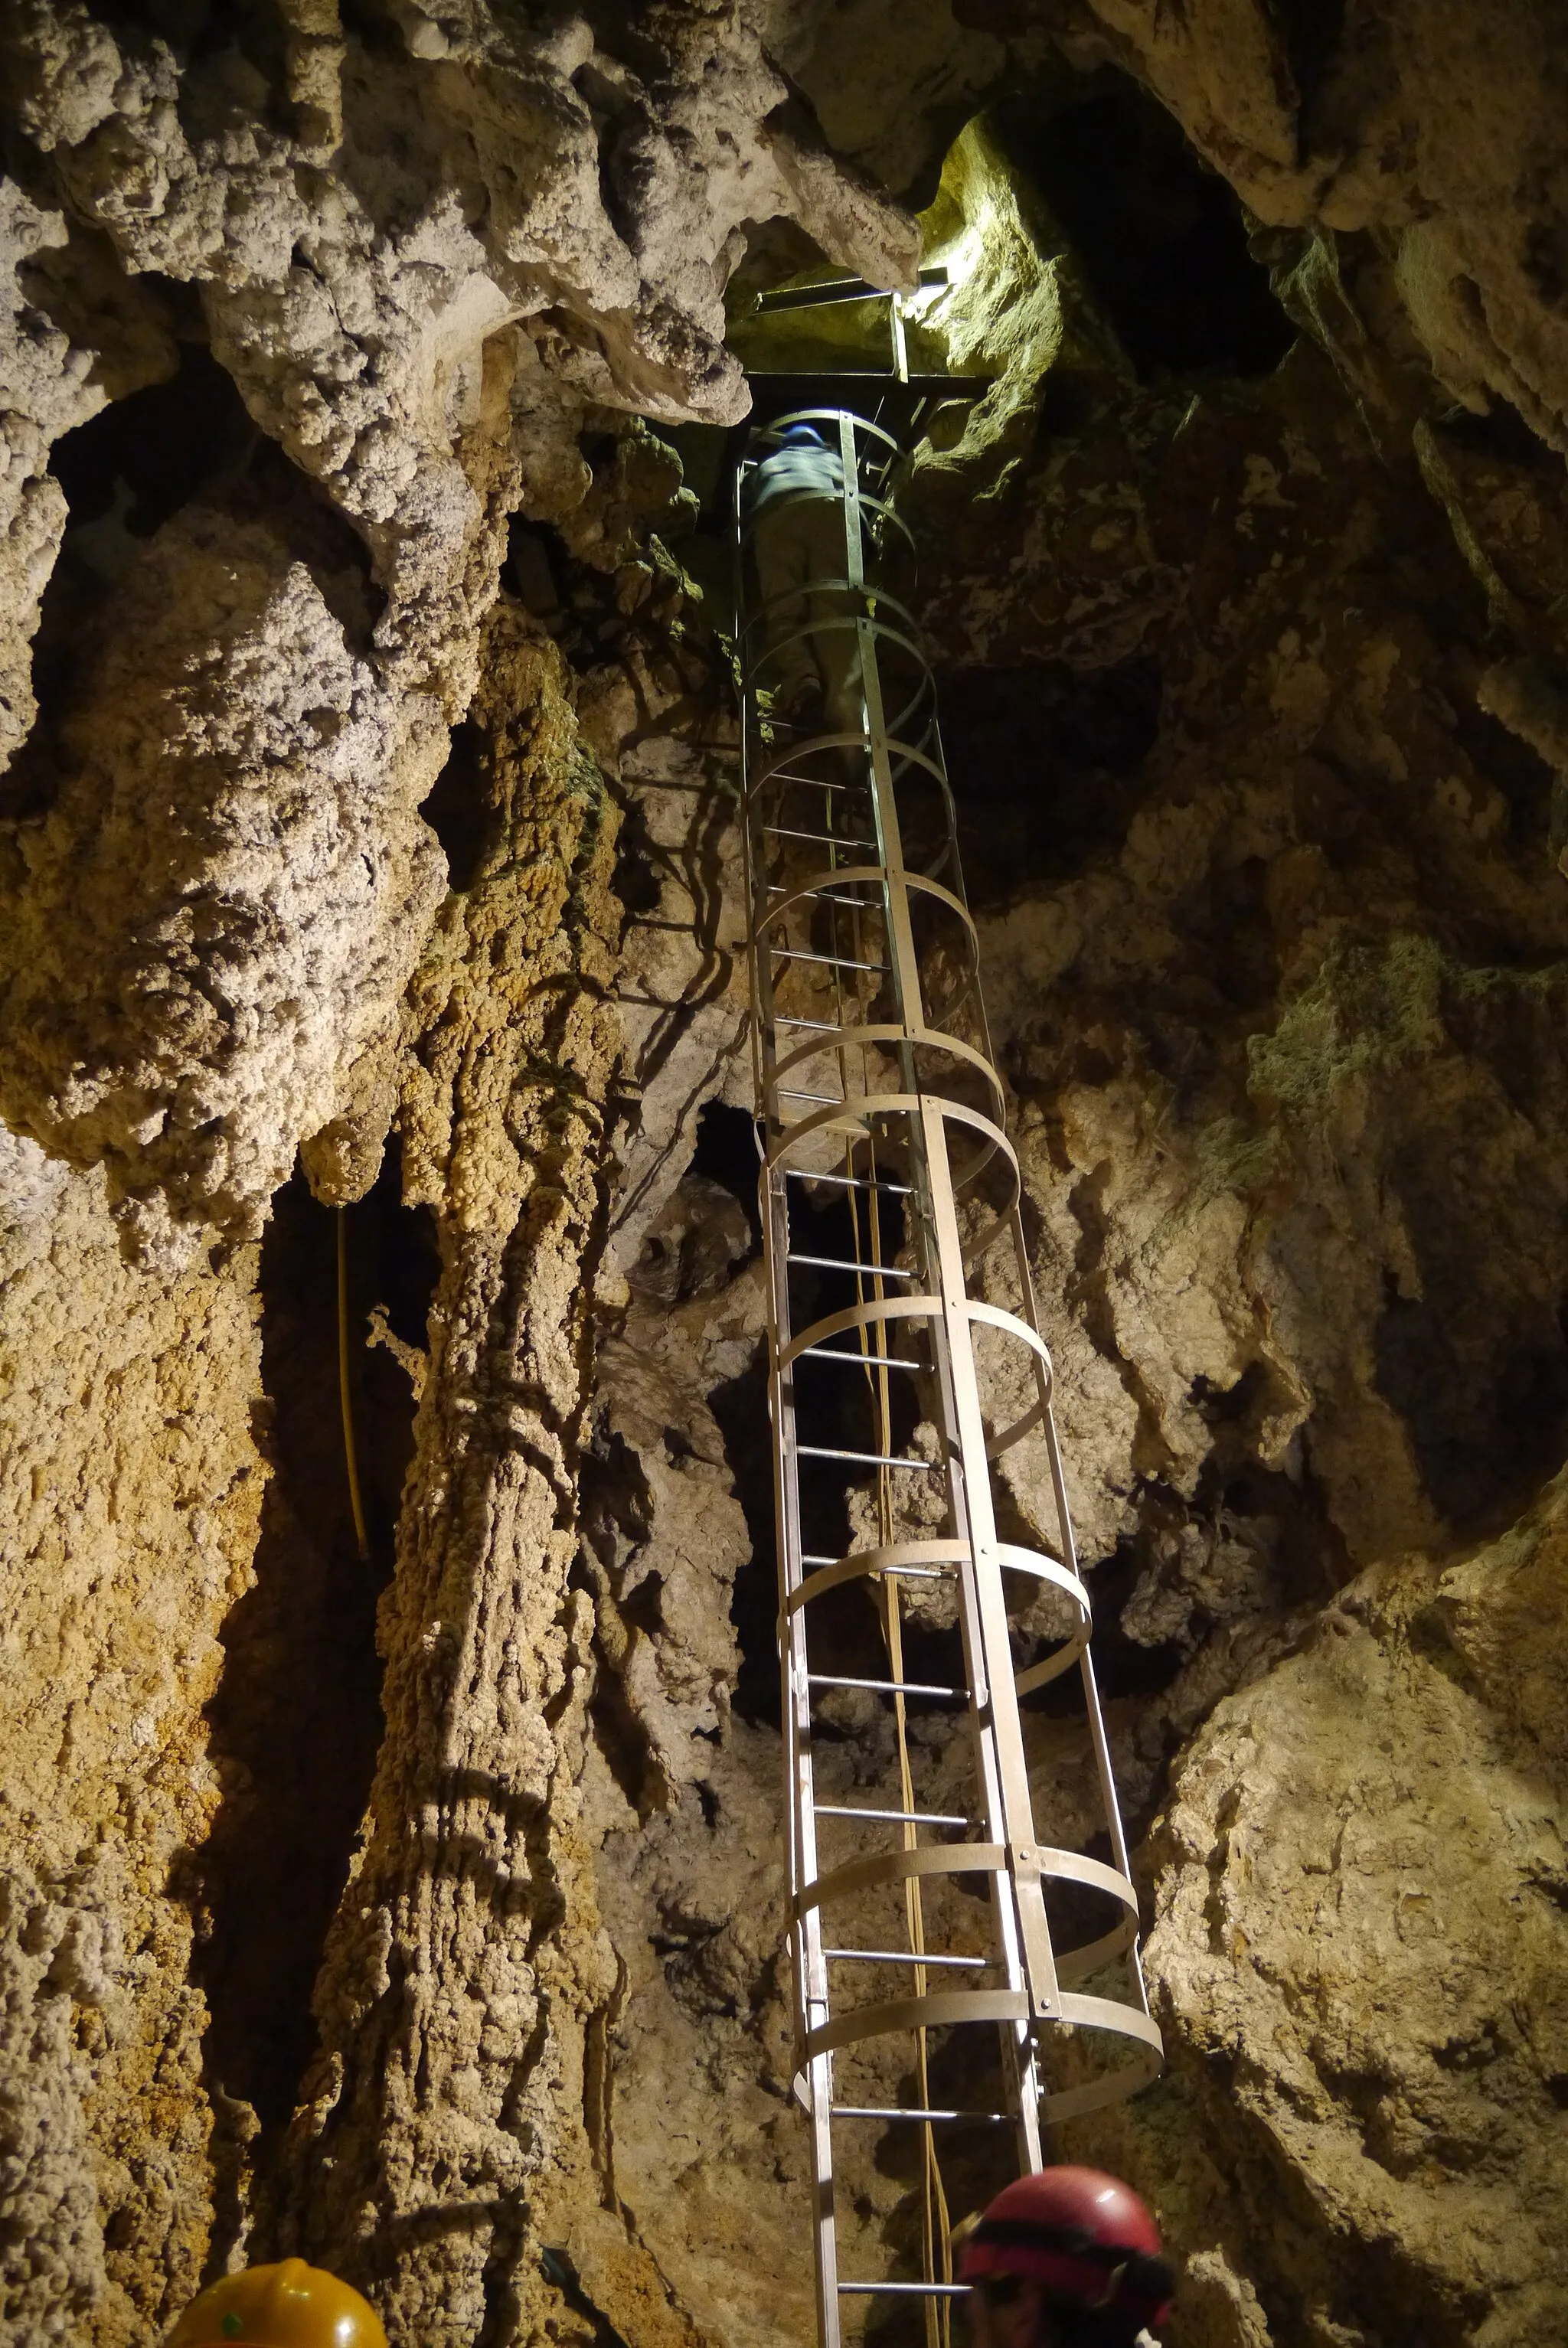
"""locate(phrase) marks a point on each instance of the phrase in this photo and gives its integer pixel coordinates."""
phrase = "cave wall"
(133, 1482)
(1274, 929)
(369, 810)
(1413, 149)
(418, 255)
(312, 306)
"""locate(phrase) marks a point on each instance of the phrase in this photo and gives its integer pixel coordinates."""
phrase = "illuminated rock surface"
(369, 804)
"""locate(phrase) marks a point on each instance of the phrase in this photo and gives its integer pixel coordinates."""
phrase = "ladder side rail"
(928, 1179)
(1048, 1422)
(809, 1967)
(1021, 2089)
(1016, 1817)
(969, 1467)
(738, 586)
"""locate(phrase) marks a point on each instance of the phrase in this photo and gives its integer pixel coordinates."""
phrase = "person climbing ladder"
(794, 503)
(1068, 2258)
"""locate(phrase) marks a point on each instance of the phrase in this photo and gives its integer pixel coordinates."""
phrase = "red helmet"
(1086, 2236)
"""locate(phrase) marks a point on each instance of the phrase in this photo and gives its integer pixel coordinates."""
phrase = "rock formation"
(400, 1883)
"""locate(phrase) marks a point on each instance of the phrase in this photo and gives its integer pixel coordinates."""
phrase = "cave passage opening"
(1160, 238)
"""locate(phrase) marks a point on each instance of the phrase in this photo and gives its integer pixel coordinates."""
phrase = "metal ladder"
(933, 1937)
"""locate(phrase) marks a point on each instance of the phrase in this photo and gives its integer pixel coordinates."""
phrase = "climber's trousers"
(798, 543)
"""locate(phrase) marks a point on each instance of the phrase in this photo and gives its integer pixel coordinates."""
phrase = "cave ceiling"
(393, 1874)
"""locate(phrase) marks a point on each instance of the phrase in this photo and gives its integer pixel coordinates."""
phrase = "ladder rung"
(823, 897)
(822, 295)
(861, 1458)
(821, 838)
(829, 1101)
(886, 1688)
(818, 1026)
(846, 1263)
(917, 2112)
(909, 1572)
(906, 1957)
(895, 1573)
(910, 2289)
(848, 1181)
(898, 1818)
(860, 1361)
(830, 961)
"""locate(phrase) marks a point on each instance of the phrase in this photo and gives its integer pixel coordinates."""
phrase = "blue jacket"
(803, 468)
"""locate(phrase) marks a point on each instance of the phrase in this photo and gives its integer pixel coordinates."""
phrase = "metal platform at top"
(899, 397)
(958, 1975)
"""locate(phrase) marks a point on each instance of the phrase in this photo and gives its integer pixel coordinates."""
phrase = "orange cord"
(362, 1539)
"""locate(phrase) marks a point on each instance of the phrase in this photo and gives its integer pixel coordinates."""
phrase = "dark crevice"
(1488, 1420)
(296, 1720)
(502, 2302)
(1519, 772)
(1501, 433)
(626, 1743)
(154, 451)
(1160, 237)
(128, 472)
(615, 1519)
(635, 880)
(1045, 766)
(124, 473)
(1123, 1666)
(1312, 32)
(1235, 934)
(727, 1153)
(740, 1408)
(458, 807)
(198, 30)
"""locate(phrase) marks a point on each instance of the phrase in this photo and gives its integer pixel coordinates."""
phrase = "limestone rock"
(889, 85)
(463, 238)
(1287, 691)
(1421, 125)
(132, 1485)
(229, 890)
(52, 380)
(1360, 1955)
(382, 785)
(470, 1842)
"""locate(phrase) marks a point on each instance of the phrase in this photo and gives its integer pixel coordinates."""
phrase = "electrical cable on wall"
(345, 1393)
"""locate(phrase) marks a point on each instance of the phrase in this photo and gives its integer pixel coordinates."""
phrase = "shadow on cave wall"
(1476, 1362)
(1487, 1410)
(1004, 729)
(296, 1720)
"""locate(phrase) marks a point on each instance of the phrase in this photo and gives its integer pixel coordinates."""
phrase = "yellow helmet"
(287, 2306)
